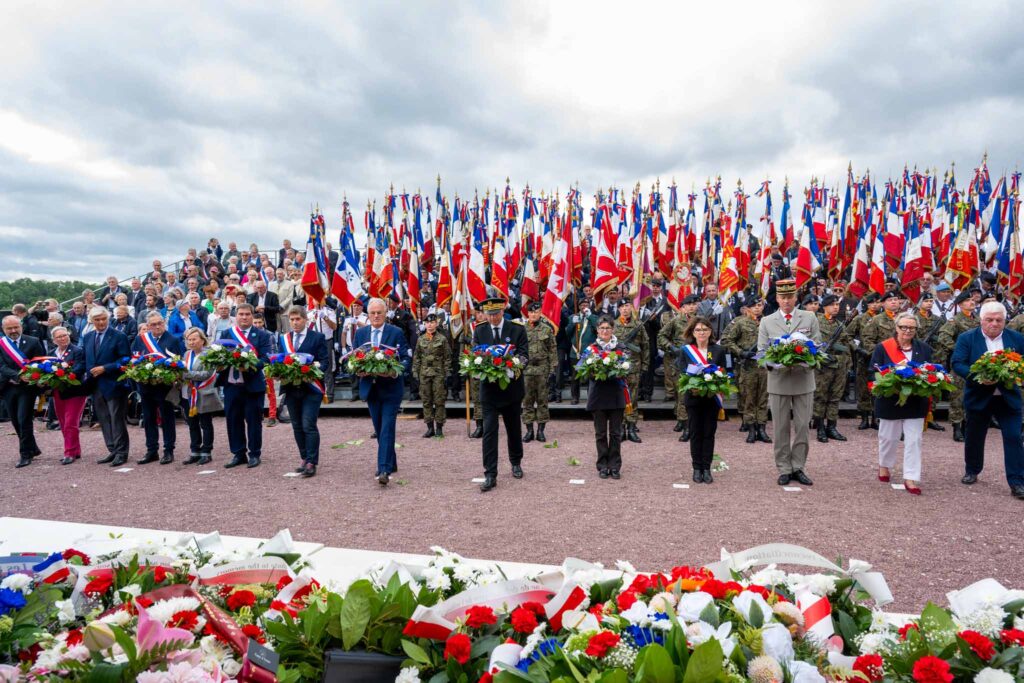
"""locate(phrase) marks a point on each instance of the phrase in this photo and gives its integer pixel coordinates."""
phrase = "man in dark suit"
(105, 349)
(244, 392)
(282, 253)
(304, 401)
(16, 349)
(983, 401)
(265, 302)
(383, 395)
(507, 403)
(157, 340)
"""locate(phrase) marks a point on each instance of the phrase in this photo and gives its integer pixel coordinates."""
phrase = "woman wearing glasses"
(906, 420)
(702, 411)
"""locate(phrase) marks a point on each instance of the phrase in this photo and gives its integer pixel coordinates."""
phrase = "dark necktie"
(494, 331)
(99, 338)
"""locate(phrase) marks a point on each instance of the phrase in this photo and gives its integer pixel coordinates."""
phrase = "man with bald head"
(16, 349)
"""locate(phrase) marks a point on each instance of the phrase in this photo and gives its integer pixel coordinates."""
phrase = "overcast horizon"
(131, 132)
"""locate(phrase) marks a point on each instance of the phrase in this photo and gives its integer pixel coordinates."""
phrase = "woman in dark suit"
(906, 420)
(69, 403)
(702, 411)
(607, 403)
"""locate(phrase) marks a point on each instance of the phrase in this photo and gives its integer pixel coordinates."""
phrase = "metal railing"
(174, 267)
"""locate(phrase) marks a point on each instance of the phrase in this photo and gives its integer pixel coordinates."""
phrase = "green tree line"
(28, 291)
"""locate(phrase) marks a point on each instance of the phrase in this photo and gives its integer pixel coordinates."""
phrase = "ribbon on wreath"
(288, 343)
(698, 361)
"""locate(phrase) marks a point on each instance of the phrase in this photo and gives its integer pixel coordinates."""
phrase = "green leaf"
(705, 663)
(614, 676)
(415, 652)
(847, 627)
(657, 666)
(314, 623)
(675, 643)
(126, 642)
(937, 625)
(756, 616)
(710, 615)
(355, 613)
(106, 673)
(553, 444)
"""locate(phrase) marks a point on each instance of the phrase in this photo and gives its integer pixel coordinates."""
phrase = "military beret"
(394, 297)
(871, 298)
(534, 306)
(810, 299)
(431, 318)
(692, 299)
(926, 296)
(962, 297)
(888, 295)
(751, 302)
(829, 299)
(988, 277)
(943, 287)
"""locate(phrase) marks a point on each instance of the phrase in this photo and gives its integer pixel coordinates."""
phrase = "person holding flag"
(304, 400)
(699, 351)
(158, 400)
(16, 349)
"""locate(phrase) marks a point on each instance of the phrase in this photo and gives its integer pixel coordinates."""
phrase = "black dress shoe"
(167, 459)
(1017, 492)
(301, 468)
(603, 474)
(148, 458)
(119, 460)
(67, 461)
(679, 426)
(24, 461)
(784, 479)
(632, 435)
(517, 471)
(383, 478)
(309, 471)
(489, 483)
(615, 474)
(707, 477)
(104, 461)
(936, 426)
(479, 431)
(235, 462)
(803, 478)
(253, 462)
(192, 459)
(373, 435)
(205, 460)
(698, 477)
(685, 436)
(969, 479)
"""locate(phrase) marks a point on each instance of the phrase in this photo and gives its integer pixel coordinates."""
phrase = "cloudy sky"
(130, 132)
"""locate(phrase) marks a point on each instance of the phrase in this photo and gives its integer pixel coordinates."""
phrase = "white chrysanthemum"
(769, 576)
(478, 360)
(708, 378)
(463, 572)
(607, 360)
(409, 674)
(465, 362)
(587, 577)
(990, 675)
(764, 669)
(216, 347)
(440, 582)
(638, 614)
(624, 566)
(18, 582)
(625, 365)
(163, 610)
(986, 620)
(118, 618)
(874, 643)
(719, 373)
(65, 611)
(213, 649)
(379, 356)
(590, 360)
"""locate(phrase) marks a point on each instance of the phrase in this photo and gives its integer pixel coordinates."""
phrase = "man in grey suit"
(790, 390)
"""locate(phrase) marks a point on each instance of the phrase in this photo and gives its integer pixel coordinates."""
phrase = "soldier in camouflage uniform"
(671, 339)
(927, 332)
(740, 339)
(882, 327)
(466, 345)
(830, 380)
(429, 367)
(963, 321)
(855, 333)
(1017, 323)
(543, 362)
(626, 332)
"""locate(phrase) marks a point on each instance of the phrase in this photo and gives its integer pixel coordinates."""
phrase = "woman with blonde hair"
(200, 396)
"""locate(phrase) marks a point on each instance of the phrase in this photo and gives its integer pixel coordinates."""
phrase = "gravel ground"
(925, 546)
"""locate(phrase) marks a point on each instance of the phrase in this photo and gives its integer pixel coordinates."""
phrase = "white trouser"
(889, 442)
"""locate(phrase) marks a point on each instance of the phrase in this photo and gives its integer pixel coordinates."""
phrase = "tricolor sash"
(151, 345)
(288, 342)
(698, 359)
(12, 350)
(191, 362)
(895, 353)
(242, 339)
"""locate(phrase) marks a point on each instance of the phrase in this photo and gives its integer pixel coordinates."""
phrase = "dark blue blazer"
(388, 389)
(112, 351)
(969, 347)
(315, 344)
(76, 357)
(169, 344)
(263, 342)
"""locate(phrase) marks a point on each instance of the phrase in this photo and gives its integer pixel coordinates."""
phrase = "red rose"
(99, 586)
(254, 632)
(389, 352)
(486, 678)
(798, 348)
(71, 376)
(982, 646)
(885, 371)
(186, 619)
(641, 584)
(932, 670)
(236, 354)
(523, 620)
(1012, 636)
(59, 373)
(360, 355)
(288, 360)
(870, 666)
(480, 615)
(714, 588)
(304, 369)
(625, 600)
(35, 375)
(496, 361)
(871, 386)
(458, 647)
(906, 629)
(71, 553)
(508, 363)
(159, 574)
(932, 379)
(601, 642)
(240, 599)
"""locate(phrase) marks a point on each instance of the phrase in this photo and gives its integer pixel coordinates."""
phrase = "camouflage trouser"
(753, 402)
(671, 378)
(830, 382)
(433, 394)
(956, 399)
(865, 402)
(633, 383)
(535, 406)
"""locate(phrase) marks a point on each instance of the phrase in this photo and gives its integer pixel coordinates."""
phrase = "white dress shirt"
(993, 344)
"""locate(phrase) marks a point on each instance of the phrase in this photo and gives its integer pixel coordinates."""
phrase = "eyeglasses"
(905, 328)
